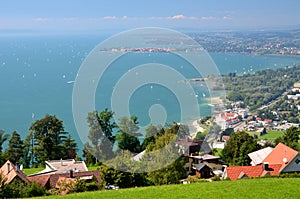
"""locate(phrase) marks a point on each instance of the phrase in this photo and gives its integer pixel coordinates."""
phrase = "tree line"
(46, 140)
(261, 87)
(114, 143)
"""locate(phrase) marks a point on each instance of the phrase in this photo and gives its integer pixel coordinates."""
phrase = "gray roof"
(257, 157)
(62, 166)
(200, 166)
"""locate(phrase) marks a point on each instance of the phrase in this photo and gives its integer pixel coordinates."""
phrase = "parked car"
(111, 187)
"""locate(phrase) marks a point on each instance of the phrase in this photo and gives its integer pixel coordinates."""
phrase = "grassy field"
(252, 133)
(35, 170)
(32, 170)
(272, 135)
(92, 168)
(247, 188)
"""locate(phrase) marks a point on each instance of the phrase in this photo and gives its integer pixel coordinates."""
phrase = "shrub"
(34, 189)
(80, 186)
(216, 178)
(93, 186)
(193, 179)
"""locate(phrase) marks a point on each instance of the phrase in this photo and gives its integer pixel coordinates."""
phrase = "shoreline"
(196, 128)
(213, 101)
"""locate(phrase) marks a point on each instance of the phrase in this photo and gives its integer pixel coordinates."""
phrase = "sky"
(78, 15)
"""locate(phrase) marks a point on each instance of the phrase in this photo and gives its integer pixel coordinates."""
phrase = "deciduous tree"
(49, 136)
(101, 133)
(127, 139)
(237, 149)
(290, 138)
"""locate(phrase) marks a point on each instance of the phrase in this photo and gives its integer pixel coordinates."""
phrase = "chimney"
(266, 166)
(8, 167)
(17, 166)
(71, 174)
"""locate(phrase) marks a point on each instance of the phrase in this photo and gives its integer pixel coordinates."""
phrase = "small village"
(240, 119)
(61, 176)
(202, 162)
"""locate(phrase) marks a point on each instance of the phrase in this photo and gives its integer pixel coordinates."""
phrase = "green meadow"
(246, 188)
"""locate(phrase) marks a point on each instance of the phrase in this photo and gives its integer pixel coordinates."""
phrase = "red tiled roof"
(268, 121)
(50, 180)
(225, 137)
(41, 179)
(229, 114)
(236, 172)
(232, 120)
(279, 153)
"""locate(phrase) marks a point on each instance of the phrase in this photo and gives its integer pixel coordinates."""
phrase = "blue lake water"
(35, 71)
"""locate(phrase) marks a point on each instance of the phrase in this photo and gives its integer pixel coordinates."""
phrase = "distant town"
(251, 42)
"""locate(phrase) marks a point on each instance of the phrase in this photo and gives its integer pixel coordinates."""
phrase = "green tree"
(170, 174)
(49, 137)
(127, 139)
(14, 152)
(101, 133)
(70, 147)
(213, 132)
(34, 190)
(237, 149)
(290, 138)
(183, 131)
(200, 136)
(2, 185)
(14, 189)
(163, 154)
(3, 138)
(28, 152)
(151, 131)
(165, 138)
(90, 159)
(115, 172)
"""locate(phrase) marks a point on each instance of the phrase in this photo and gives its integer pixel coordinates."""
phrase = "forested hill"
(261, 87)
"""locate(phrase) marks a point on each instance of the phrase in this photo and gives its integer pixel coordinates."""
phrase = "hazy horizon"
(117, 15)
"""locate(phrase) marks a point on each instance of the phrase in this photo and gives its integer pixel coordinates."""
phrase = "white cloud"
(125, 17)
(156, 18)
(226, 18)
(41, 19)
(208, 18)
(110, 17)
(70, 19)
(178, 17)
(193, 18)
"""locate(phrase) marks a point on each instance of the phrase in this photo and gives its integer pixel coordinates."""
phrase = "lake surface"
(36, 75)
